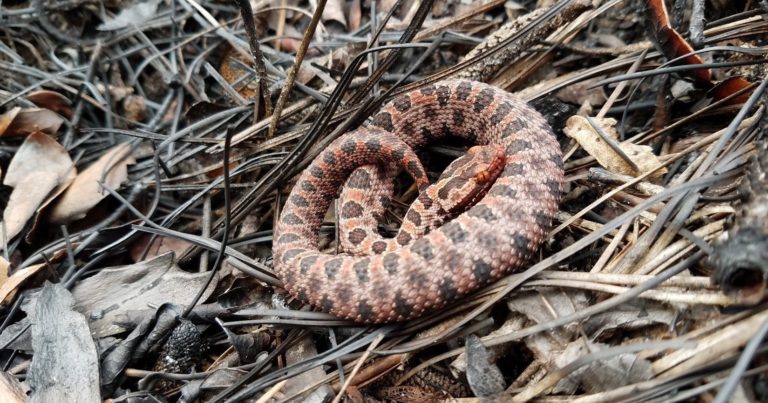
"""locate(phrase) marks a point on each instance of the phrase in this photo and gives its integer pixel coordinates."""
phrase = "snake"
(485, 216)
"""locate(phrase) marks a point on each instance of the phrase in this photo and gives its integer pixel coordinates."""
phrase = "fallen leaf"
(5, 266)
(11, 284)
(38, 167)
(133, 15)
(601, 375)
(51, 100)
(730, 86)
(11, 390)
(114, 294)
(117, 299)
(637, 159)
(65, 364)
(160, 245)
(484, 377)
(671, 43)
(334, 11)
(86, 190)
(25, 200)
(355, 15)
(23, 122)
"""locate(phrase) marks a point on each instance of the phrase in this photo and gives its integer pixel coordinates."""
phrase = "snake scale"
(485, 216)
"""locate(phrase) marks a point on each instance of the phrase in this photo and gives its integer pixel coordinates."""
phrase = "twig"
(258, 58)
(286, 91)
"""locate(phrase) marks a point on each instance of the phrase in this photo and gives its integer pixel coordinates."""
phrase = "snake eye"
(482, 177)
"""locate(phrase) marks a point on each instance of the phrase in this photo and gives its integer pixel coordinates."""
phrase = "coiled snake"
(485, 216)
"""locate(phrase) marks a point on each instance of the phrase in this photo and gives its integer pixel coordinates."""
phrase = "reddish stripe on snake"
(441, 253)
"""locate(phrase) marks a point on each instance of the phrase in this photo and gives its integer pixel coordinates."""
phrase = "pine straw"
(612, 244)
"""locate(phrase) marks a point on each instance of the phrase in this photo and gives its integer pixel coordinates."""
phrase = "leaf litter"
(133, 129)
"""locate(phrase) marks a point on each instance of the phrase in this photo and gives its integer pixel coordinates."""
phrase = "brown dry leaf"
(643, 158)
(25, 200)
(135, 107)
(728, 87)
(86, 190)
(52, 100)
(334, 11)
(160, 245)
(355, 15)
(670, 42)
(22, 122)
(11, 390)
(4, 268)
(9, 287)
(40, 165)
(601, 375)
(115, 297)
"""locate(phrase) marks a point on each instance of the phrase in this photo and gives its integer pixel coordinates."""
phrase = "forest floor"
(147, 149)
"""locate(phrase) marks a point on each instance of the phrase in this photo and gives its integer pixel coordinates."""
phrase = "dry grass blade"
(145, 136)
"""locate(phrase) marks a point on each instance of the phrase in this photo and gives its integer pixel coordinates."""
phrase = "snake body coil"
(412, 274)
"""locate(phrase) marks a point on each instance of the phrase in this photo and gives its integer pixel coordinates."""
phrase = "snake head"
(468, 178)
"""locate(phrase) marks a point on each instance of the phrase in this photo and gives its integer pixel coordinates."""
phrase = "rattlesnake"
(413, 273)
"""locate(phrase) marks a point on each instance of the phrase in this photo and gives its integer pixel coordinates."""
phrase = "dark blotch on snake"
(452, 183)
(427, 90)
(299, 200)
(553, 186)
(361, 270)
(483, 99)
(329, 158)
(307, 264)
(463, 91)
(291, 253)
(543, 220)
(349, 147)
(360, 179)
(502, 191)
(521, 242)
(384, 120)
(454, 232)
(423, 248)
(481, 270)
(500, 113)
(398, 154)
(326, 304)
(301, 295)
(458, 118)
(344, 294)
(365, 310)
(414, 166)
(514, 169)
(391, 262)
(356, 236)
(292, 219)
(307, 186)
(402, 307)
(443, 95)
(404, 238)
(351, 209)
(402, 103)
(414, 217)
(513, 127)
(518, 145)
(482, 212)
(379, 246)
(447, 289)
(425, 200)
(317, 172)
(332, 267)
(447, 131)
(373, 145)
(288, 238)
